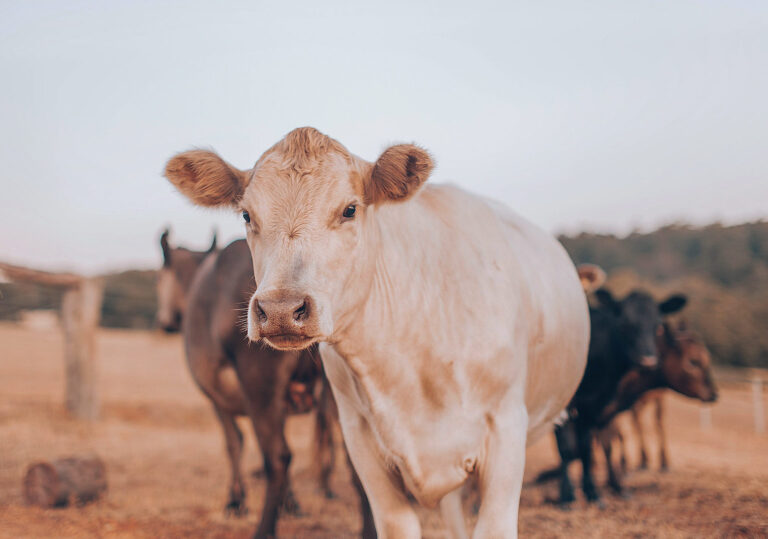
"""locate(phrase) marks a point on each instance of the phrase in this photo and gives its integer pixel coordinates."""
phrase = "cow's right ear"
(206, 179)
(606, 299)
(592, 277)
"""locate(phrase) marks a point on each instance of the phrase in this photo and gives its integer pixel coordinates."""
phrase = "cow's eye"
(246, 217)
(349, 211)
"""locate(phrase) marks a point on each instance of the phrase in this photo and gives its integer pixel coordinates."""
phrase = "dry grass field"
(168, 474)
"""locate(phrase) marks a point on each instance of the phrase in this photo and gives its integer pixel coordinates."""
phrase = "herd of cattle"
(442, 332)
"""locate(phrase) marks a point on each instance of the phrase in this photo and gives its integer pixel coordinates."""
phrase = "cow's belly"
(433, 458)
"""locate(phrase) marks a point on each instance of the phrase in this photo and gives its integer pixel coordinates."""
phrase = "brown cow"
(240, 378)
(685, 367)
(689, 364)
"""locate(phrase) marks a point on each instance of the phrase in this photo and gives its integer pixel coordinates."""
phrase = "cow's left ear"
(397, 174)
(673, 304)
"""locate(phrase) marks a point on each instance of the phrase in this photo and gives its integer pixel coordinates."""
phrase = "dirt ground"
(168, 473)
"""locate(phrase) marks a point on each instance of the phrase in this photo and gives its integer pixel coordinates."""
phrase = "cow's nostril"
(302, 312)
(260, 313)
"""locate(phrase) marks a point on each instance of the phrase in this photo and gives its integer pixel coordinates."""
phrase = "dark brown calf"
(685, 367)
(241, 378)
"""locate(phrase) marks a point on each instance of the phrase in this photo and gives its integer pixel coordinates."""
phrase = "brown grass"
(168, 474)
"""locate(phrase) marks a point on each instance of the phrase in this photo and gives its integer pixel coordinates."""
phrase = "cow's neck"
(400, 270)
(399, 351)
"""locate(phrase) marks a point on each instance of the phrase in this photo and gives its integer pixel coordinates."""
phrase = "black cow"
(623, 337)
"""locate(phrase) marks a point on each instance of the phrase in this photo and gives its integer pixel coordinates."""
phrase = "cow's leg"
(369, 527)
(324, 420)
(606, 441)
(392, 513)
(270, 432)
(663, 459)
(501, 475)
(453, 514)
(234, 440)
(623, 447)
(564, 448)
(640, 436)
(584, 442)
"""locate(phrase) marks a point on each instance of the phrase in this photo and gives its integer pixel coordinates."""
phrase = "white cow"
(451, 329)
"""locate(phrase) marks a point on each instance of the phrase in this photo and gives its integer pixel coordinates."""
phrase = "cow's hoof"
(235, 508)
(597, 502)
(622, 493)
(564, 504)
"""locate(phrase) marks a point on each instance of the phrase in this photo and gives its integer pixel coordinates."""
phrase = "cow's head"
(174, 280)
(686, 364)
(307, 207)
(639, 323)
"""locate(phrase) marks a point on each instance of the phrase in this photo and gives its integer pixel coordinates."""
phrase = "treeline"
(723, 270)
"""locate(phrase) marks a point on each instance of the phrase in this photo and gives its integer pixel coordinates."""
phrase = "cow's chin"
(289, 342)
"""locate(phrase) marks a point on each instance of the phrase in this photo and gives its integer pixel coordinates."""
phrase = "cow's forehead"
(280, 182)
(639, 304)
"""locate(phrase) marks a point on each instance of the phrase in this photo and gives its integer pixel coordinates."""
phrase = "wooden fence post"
(80, 316)
(757, 403)
(705, 417)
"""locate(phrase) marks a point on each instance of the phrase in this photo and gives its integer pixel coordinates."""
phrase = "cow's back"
(212, 326)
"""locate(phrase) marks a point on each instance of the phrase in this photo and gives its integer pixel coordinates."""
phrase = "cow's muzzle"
(286, 320)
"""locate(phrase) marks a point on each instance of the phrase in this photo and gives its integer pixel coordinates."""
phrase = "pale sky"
(601, 116)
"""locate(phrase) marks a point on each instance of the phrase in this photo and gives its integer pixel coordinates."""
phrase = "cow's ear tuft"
(165, 247)
(205, 178)
(214, 242)
(398, 174)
